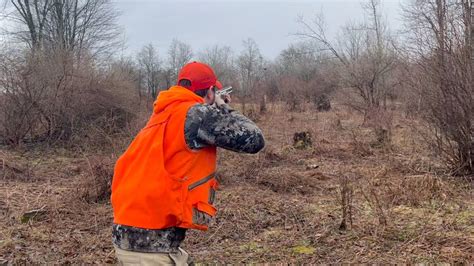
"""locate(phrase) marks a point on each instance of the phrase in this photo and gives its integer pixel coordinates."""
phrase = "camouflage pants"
(129, 258)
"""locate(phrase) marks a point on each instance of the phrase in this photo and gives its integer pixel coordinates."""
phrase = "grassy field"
(282, 205)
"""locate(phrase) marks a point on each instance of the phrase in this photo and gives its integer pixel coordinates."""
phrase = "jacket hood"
(175, 95)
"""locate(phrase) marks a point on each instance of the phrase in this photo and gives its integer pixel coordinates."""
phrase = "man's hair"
(201, 92)
(187, 84)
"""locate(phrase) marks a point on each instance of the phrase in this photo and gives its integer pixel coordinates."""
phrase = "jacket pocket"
(201, 182)
(203, 213)
(212, 195)
(210, 183)
(212, 191)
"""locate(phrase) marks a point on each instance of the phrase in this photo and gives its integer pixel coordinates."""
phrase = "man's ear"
(209, 96)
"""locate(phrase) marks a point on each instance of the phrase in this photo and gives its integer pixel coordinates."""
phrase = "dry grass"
(274, 207)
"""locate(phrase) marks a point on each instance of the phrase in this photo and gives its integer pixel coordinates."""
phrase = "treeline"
(62, 82)
(299, 74)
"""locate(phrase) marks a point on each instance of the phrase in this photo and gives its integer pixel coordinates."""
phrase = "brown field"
(274, 207)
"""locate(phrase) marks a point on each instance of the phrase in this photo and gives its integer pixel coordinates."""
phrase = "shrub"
(52, 98)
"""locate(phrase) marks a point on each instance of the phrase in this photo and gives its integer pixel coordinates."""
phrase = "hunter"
(164, 183)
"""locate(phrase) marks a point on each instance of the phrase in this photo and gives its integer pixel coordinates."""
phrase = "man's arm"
(223, 127)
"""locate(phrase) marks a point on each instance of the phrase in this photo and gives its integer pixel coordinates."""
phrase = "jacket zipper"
(201, 181)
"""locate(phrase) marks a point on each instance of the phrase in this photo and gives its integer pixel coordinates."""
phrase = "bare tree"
(305, 74)
(79, 26)
(31, 15)
(300, 59)
(365, 52)
(250, 65)
(441, 72)
(126, 69)
(221, 60)
(179, 53)
(149, 69)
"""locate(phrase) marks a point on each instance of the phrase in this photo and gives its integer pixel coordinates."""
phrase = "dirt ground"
(284, 205)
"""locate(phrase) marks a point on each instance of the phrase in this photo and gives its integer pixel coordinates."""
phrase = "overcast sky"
(227, 22)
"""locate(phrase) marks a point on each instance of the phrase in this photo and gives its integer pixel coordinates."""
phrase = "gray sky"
(228, 22)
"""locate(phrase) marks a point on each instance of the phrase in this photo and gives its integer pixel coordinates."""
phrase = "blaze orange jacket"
(159, 182)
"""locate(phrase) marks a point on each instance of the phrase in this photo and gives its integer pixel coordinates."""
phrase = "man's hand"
(218, 100)
(227, 99)
(213, 98)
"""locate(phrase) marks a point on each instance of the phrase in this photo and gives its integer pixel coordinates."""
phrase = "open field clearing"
(285, 204)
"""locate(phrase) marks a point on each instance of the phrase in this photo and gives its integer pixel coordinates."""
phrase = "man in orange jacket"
(165, 182)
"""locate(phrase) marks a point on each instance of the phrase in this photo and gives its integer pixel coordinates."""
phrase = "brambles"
(10, 171)
(252, 114)
(323, 103)
(381, 122)
(96, 186)
(48, 99)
